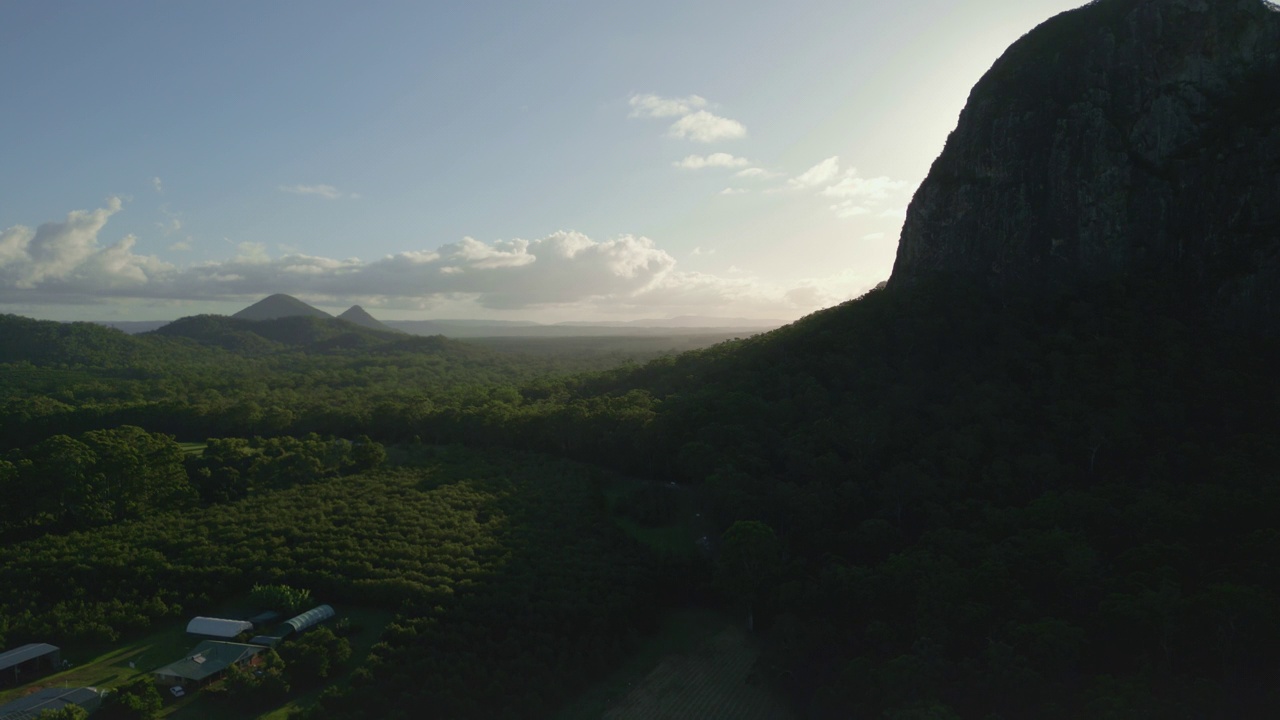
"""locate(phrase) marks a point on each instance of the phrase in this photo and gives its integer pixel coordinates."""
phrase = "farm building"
(30, 706)
(29, 661)
(307, 620)
(205, 662)
(217, 627)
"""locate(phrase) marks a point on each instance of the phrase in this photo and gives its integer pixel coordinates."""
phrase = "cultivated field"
(708, 682)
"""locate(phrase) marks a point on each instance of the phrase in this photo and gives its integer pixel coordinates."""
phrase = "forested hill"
(315, 334)
(1054, 509)
(1052, 497)
(44, 342)
(212, 376)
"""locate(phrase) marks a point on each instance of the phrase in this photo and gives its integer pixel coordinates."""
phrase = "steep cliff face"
(1131, 138)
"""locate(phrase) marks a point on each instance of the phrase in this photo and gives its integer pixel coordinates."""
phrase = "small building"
(218, 627)
(307, 620)
(206, 662)
(28, 662)
(30, 706)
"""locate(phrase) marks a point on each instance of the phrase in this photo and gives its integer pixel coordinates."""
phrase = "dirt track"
(709, 682)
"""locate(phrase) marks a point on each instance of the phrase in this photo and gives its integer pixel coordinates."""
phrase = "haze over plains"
(524, 161)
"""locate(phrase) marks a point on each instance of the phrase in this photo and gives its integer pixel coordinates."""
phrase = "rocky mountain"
(1126, 139)
(279, 306)
(358, 315)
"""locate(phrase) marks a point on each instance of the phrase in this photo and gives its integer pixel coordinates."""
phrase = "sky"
(543, 160)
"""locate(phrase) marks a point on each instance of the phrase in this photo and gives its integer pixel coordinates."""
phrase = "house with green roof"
(206, 662)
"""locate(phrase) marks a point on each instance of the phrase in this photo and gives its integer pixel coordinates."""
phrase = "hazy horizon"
(524, 162)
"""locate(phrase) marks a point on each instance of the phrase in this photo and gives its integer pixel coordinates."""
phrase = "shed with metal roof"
(218, 627)
(205, 662)
(28, 661)
(30, 706)
(307, 620)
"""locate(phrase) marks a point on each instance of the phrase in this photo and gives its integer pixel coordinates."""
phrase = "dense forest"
(1032, 476)
(960, 504)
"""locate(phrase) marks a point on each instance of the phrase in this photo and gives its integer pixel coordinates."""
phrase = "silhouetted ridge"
(1132, 139)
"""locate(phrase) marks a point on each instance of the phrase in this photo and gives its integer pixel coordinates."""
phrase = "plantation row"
(505, 568)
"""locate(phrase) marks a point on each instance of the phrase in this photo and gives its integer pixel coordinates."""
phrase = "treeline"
(514, 588)
(102, 477)
(70, 378)
(988, 506)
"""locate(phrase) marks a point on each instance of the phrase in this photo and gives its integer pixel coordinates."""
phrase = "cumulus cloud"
(328, 192)
(755, 173)
(877, 189)
(66, 262)
(157, 184)
(694, 123)
(714, 160)
(656, 106)
(181, 245)
(854, 195)
(849, 208)
(62, 259)
(820, 174)
(734, 191)
(706, 127)
(62, 256)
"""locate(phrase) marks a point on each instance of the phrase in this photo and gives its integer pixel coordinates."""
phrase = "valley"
(1030, 476)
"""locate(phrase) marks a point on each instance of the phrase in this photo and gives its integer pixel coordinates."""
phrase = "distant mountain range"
(279, 306)
(356, 314)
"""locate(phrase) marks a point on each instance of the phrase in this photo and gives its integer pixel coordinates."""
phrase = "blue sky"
(534, 160)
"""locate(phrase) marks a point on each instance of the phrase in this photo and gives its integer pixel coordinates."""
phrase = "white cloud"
(873, 236)
(655, 106)
(734, 191)
(705, 127)
(820, 174)
(695, 123)
(755, 173)
(855, 195)
(65, 262)
(877, 189)
(157, 184)
(181, 245)
(849, 208)
(59, 256)
(328, 192)
(251, 253)
(714, 160)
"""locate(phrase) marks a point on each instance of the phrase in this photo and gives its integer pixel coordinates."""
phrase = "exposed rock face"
(1130, 138)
